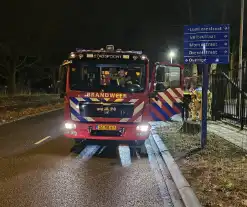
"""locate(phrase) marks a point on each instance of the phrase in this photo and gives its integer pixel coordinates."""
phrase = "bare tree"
(10, 64)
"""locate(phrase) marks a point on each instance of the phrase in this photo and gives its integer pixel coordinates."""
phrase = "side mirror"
(160, 71)
(159, 78)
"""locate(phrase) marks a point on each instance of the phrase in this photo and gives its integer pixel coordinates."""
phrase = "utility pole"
(241, 40)
(190, 12)
(240, 63)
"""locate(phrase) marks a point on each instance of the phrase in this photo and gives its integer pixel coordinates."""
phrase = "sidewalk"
(229, 133)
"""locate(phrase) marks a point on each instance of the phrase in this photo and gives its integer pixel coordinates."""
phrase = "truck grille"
(105, 133)
(109, 110)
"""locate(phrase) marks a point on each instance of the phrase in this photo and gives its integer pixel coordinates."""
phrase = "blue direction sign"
(206, 44)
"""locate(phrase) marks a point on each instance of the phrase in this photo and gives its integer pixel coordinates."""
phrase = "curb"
(30, 116)
(187, 194)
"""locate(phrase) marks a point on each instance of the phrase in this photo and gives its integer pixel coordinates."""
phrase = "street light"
(171, 55)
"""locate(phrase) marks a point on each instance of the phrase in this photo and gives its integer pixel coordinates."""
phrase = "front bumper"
(124, 132)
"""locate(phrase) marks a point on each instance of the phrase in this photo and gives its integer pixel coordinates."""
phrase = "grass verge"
(13, 108)
(25, 99)
(218, 174)
(15, 115)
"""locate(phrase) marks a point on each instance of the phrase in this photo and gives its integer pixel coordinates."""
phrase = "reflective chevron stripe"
(75, 112)
(168, 104)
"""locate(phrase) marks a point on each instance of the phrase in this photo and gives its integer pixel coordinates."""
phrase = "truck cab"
(106, 95)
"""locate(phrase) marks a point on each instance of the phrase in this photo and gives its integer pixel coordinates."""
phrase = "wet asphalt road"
(37, 168)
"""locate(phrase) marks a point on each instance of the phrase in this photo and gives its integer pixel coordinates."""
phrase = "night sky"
(58, 27)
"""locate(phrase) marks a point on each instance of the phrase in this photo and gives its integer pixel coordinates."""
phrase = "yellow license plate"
(106, 127)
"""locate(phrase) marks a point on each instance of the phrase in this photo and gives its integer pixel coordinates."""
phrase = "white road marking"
(102, 149)
(42, 140)
(88, 152)
(157, 173)
(124, 154)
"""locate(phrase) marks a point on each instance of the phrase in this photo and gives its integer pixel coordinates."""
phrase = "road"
(39, 169)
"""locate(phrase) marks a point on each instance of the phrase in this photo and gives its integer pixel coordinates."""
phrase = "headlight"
(143, 57)
(69, 125)
(143, 128)
(72, 55)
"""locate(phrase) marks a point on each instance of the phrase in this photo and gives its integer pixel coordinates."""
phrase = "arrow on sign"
(226, 36)
(226, 28)
(226, 44)
(225, 51)
(186, 60)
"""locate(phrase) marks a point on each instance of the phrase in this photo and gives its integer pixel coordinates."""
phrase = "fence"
(226, 102)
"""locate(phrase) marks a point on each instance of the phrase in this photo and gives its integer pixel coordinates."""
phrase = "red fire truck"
(167, 88)
(108, 95)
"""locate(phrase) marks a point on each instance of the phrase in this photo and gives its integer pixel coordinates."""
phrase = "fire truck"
(166, 89)
(109, 95)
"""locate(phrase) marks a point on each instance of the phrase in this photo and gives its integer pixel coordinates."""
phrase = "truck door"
(168, 92)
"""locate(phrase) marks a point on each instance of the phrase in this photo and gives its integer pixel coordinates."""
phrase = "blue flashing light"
(109, 48)
(81, 50)
(137, 52)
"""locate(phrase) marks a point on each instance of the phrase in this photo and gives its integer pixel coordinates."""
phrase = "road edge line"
(187, 194)
(171, 186)
(30, 116)
(42, 140)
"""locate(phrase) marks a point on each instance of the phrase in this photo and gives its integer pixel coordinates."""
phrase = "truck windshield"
(108, 77)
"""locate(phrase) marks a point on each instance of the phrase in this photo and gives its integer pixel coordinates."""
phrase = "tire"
(77, 146)
(78, 141)
(141, 148)
(140, 142)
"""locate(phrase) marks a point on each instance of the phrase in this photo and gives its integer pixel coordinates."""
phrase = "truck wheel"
(141, 148)
(76, 148)
(78, 141)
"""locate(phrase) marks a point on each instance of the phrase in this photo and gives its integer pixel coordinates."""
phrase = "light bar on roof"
(137, 52)
(66, 62)
(72, 55)
(110, 48)
(81, 50)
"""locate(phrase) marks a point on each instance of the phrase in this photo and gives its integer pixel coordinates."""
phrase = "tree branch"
(2, 66)
(42, 78)
(4, 70)
(28, 65)
(190, 12)
(2, 76)
(24, 60)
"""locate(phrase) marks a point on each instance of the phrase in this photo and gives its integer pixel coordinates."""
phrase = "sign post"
(206, 44)
(204, 105)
